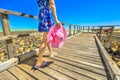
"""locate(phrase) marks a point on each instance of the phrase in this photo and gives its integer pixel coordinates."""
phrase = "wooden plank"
(17, 13)
(21, 75)
(81, 52)
(111, 66)
(26, 56)
(4, 37)
(82, 62)
(7, 64)
(66, 53)
(67, 72)
(38, 75)
(51, 72)
(81, 70)
(5, 75)
(19, 35)
(80, 65)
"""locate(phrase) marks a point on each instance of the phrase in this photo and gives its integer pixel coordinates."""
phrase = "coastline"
(20, 32)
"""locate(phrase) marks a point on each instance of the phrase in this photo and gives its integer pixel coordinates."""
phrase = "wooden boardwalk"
(78, 59)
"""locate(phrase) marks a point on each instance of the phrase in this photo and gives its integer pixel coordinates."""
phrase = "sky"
(80, 12)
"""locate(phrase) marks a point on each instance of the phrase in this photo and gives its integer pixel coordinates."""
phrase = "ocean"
(27, 29)
(20, 29)
(35, 29)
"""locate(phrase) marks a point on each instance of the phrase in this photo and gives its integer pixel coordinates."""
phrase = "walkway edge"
(111, 66)
(73, 35)
(7, 64)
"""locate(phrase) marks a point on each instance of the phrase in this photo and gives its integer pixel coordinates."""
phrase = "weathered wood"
(100, 32)
(83, 28)
(5, 24)
(70, 30)
(5, 75)
(88, 28)
(73, 53)
(26, 56)
(38, 75)
(49, 71)
(21, 75)
(84, 72)
(81, 53)
(82, 61)
(93, 29)
(68, 64)
(7, 64)
(74, 30)
(111, 66)
(4, 38)
(19, 35)
(6, 31)
(80, 28)
(17, 13)
(77, 29)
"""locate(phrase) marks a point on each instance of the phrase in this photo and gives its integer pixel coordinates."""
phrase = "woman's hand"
(58, 23)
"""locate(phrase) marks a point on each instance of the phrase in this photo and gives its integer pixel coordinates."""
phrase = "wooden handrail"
(111, 66)
(17, 36)
(4, 11)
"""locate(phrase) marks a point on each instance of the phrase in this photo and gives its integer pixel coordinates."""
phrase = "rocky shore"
(21, 45)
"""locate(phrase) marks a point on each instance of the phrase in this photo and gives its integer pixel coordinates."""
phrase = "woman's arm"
(53, 8)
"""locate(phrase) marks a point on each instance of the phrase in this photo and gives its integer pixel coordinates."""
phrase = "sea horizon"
(35, 29)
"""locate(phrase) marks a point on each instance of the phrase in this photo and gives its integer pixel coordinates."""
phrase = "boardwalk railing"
(112, 68)
(8, 37)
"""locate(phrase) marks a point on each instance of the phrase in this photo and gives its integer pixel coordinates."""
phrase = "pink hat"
(56, 36)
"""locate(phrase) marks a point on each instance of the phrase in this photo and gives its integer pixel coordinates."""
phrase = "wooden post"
(74, 29)
(100, 32)
(110, 33)
(93, 29)
(77, 29)
(6, 31)
(70, 30)
(88, 28)
(83, 28)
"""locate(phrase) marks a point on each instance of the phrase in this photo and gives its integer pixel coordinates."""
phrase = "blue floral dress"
(45, 16)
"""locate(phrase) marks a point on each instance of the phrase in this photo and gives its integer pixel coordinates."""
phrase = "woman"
(47, 8)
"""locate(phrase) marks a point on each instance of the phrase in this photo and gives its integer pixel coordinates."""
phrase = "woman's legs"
(51, 51)
(42, 50)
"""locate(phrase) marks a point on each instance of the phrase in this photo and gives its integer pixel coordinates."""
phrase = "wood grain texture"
(78, 59)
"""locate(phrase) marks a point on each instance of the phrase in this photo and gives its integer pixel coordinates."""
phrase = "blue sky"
(83, 12)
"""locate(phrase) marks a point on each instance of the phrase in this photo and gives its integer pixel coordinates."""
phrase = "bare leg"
(51, 51)
(42, 50)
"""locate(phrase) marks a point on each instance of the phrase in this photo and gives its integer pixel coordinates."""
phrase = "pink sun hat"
(56, 36)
